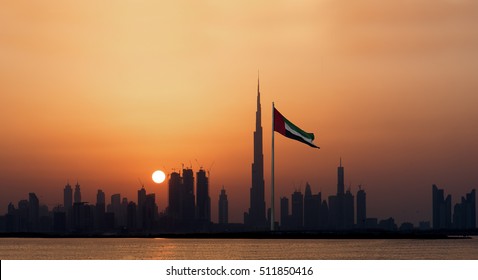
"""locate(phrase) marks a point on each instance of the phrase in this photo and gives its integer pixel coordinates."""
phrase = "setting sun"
(158, 176)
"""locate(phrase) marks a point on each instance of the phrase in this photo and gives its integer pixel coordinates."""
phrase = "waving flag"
(288, 129)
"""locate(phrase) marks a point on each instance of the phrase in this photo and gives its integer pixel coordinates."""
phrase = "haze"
(106, 93)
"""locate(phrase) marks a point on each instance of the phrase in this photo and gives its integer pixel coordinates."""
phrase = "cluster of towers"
(187, 211)
(464, 214)
(310, 212)
(190, 210)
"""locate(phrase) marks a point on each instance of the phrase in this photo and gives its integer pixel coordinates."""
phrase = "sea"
(236, 249)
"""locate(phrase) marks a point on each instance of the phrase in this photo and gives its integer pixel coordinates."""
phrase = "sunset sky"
(106, 92)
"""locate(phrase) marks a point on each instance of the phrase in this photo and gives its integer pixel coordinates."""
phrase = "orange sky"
(107, 92)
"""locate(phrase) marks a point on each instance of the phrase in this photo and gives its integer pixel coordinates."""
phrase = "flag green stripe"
(309, 137)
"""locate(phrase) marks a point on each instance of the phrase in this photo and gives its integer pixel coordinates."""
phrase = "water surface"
(219, 249)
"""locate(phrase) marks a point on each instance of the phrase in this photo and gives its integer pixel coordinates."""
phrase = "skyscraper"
(140, 211)
(348, 210)
(67, 197)
(464, 215)
(131, 216)
(223, 207)
(309, 209)
(174, 191)
(284, 213)
(100, 209)
(151, 212)
(312, 204)
(115, 207)
(361, 208)
(441, 209)
(203, 201)
(297, 215)
(77, 193)
(187, 197)
(340, 179)
(33, 211)
(256, 217)
(339, 205)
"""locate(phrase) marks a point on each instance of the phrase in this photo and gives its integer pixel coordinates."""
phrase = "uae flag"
(288, 129)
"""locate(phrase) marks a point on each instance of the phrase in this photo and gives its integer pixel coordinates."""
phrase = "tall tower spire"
(258, 112)
(258, 82)
(256, 218)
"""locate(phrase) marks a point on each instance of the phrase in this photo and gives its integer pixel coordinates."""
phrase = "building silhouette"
(115, 208)
(284, 213)
(361, 208)
(187, 199)
(324, 215)
(33, 212)
(203, 201)
(223, 208)
(77, 193)
(312, 203)
(340, 179)
(174, 198)
(441, 209)
(67, 197)
(82, 217)
(100, 209)
(349, 210)
(151, 213)
(140, 209)
(255, 218)
(297, 214)
(132, 216)
(341, 206)
(464, 214)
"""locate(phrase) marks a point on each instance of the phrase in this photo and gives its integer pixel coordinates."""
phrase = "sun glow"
(158, 176)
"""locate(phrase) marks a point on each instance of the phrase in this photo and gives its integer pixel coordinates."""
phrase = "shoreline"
(258, 235)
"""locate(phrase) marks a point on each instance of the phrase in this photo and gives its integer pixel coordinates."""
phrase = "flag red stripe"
(279, 124)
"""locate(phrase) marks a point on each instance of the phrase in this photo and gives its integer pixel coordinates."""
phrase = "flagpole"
(272, 172)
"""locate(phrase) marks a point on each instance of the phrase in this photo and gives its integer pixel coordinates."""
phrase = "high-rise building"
(151, 212)
(324, 215)
(187, 197)
(140, 210)
(115, 207)
(348, 210)
(256, 218)
(174, 196)
(123, 218)
(100, 209)
(203, 201)
(464, 214)
(340, 179)
(67, 197)
(33, 212)
(100, 198)
(441, 209)
(77, 193)
(284, 213)
(311, 208)
(297, 215)
(361, 208)
(131, 216)
(340, 206)
(223, 208)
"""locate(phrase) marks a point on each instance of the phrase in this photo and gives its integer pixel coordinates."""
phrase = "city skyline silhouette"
(189, 208)
(106, 95)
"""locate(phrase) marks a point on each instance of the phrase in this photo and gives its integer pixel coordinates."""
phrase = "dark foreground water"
(218, 249)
